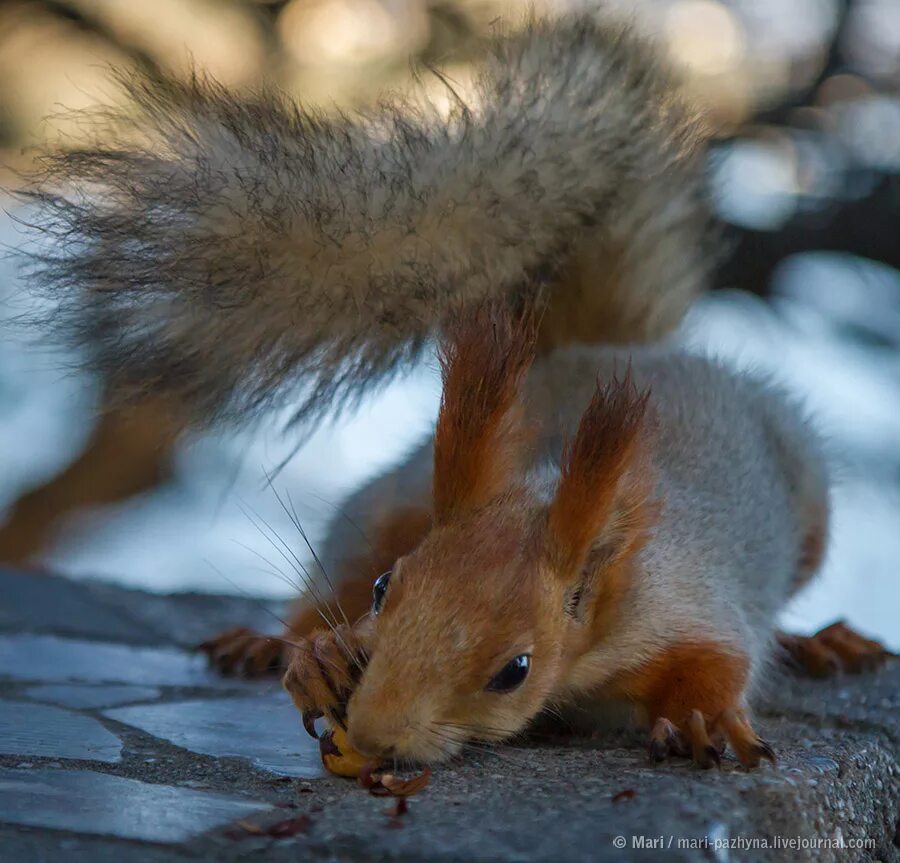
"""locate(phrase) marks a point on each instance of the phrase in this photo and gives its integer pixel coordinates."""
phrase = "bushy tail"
(236, 250)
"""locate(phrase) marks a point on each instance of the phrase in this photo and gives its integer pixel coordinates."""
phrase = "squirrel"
(599, 515)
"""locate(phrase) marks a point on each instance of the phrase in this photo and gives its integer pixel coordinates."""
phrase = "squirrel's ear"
(601, 509)
(480, 438)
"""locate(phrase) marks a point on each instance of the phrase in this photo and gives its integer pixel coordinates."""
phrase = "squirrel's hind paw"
(748, 746)
(244, 652)
(689, 741)
(705, 745)
(833, 649)
(666, 740)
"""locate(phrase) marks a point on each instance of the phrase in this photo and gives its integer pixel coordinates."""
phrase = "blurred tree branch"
(866, 227)
(95, 25)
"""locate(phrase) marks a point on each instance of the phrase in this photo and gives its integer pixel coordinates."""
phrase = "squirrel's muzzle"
(384, 724)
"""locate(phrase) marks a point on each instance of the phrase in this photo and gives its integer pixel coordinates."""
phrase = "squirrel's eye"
(511, 675)
(378, 591)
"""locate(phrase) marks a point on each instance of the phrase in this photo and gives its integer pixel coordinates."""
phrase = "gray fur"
(237, 250)
(741, 479)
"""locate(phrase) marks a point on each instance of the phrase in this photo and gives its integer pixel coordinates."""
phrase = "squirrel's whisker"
(282, 547)
(339, 511)
(272, 571)
(296, 520)
(478, 746)
(255, 600)
(293, 561)
(316, 605)
(291, 513)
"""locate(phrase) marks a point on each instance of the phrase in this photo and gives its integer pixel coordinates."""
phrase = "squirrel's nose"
(374, 741)
(381, 723)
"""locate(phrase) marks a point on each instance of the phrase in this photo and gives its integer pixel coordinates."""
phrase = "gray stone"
(871, 700)
(837, 778)
(563, 803)
(35, 601)
(47, 658)
(39, 729)
(40, 602)
(86, 697)
(264, 729)
(187, 619)
(18, 845)
(86, 802)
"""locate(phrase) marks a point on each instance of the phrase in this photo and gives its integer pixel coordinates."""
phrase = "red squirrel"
(645, 561)
(600, 515)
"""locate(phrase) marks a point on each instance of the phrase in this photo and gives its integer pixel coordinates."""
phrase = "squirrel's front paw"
(245, 652)
(323, 671)
(705, 744)
(832, 649)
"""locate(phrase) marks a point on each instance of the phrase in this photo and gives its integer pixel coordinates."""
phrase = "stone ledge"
(41, 602)
(112, 651)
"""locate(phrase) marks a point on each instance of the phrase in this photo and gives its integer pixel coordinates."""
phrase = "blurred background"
(805, 98)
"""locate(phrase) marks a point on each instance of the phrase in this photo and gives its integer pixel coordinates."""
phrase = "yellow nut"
(338, 756)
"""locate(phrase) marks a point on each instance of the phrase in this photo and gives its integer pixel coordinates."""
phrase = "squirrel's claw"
(322, 674)
(705, 755)
(666, 740)
(747, 745)
(832, 649)
(691, 741)
(309, 722)
(705, 743)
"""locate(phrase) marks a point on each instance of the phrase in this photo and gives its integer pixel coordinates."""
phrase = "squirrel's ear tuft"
(481, 437)
(601, 509)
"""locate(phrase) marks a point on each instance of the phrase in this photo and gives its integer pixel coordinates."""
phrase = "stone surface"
(187, 619)
(48, 658)
(31, 845)
(36, 602)
(867, 700)
(210, 750)
(86, 802)
(265, 729)
(50, 732)
(88, 696)
(41, 602)
(559, 804)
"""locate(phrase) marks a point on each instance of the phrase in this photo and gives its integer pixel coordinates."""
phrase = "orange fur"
(812, 550)
(479, 438)
(595, 462)
(129, 452)
(701, 675)
(399, 534)
(833, 648)
(743, 739)
(460, 606)
(612, 588)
